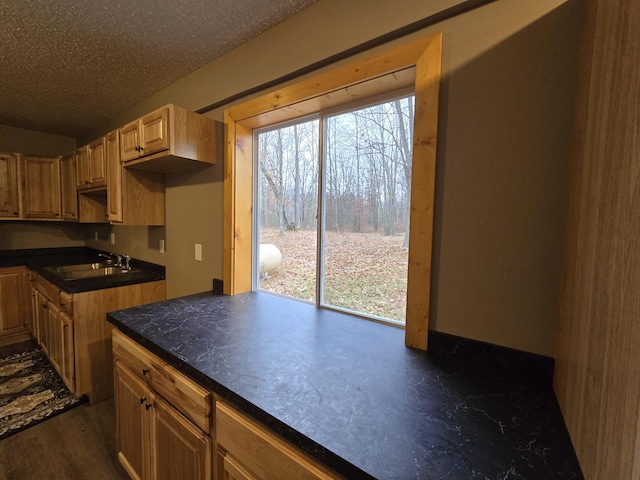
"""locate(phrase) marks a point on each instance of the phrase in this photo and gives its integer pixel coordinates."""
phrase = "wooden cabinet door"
(133, 422)
(97, 172)
(41, 187)
(129, 141)
(154, 130)
(231, 469)
(55, 332)
(114, 178)
(182, 451)
(68, 357)
(14, 301)
(82, 168)
(68, 189)
(42, 320)
(33, 319)
(9, 199)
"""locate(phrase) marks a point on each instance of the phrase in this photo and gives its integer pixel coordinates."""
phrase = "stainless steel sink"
(81, 266)
(89, 270)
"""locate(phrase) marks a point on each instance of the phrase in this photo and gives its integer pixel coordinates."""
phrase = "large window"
(415, 66)
(340, 180)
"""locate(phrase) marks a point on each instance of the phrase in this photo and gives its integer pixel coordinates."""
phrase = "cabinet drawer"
(262, 452)
(48, 290)
(66, 303)
(184, 394)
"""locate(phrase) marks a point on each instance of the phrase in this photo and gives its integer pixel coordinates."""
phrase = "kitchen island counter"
(348, 391)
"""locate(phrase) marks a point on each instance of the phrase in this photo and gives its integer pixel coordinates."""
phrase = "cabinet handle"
(145, 371)
(147, 406)
(142, 400)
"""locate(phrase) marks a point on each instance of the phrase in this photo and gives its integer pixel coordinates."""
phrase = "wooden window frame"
(416, 63)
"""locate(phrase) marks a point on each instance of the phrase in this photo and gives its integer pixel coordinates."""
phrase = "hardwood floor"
(78, 444)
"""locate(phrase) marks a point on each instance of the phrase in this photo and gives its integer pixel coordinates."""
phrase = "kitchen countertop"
(349, 392)
(38, 259)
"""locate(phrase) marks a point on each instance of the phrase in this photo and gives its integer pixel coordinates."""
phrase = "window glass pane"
(287, 210)
(366, 209)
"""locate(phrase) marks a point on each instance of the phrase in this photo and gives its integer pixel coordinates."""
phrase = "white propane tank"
(270, 258)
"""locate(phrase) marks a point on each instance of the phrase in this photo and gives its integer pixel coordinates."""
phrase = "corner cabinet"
(163, 419)
(40, 188)
(168, 139)
(9, 193)
(134, 197)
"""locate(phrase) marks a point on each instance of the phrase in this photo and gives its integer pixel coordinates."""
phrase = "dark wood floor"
(78, 444)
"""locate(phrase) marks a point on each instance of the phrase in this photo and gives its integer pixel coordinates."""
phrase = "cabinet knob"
(145, 371)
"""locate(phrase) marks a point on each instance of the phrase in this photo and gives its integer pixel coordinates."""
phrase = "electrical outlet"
(95, 236)
(161, 246)
(198, 253)
(112, 238)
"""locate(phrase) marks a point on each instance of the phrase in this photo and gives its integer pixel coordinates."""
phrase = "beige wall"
(30, 142)
(15, 235)
(505, 117)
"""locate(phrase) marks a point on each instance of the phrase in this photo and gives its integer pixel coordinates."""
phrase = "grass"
(364, 272)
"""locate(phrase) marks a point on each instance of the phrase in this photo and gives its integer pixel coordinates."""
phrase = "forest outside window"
(354, 203)
(324, 99)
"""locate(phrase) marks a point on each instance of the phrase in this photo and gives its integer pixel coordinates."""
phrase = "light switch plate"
(198, 252)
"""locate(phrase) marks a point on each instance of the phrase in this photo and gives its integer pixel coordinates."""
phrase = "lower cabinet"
(15, 308)
(248, 450)
(164, 423)
(54, 331)
(156, 439)
(73, 331)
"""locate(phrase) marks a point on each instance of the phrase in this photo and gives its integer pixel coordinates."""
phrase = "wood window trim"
(417, 63)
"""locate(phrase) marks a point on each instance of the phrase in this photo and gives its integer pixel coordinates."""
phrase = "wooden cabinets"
(134, 197)
(167, 139)
(145, 136)
(90, 185)
(40, 187)
(9, 193)
(73, 331)
(68, 191)
(163, 419)
(55, 329)
(247, 450)
(92, 165)
(15, 304)
(164, 424)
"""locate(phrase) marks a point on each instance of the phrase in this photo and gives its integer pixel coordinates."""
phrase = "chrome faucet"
(117, 260)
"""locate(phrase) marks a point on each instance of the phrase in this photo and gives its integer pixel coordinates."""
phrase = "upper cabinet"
(168, 139)
(134, 197)
(40, 187)
(118, 178)
(68, 192)
(9, 194)
(91, 164)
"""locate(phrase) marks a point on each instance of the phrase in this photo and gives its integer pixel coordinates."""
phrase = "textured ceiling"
(68, 66)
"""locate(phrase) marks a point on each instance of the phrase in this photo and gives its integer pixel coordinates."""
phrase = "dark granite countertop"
(38, 259)
(351, 394)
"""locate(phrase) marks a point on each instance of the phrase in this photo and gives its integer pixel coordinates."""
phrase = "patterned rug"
(31, 391)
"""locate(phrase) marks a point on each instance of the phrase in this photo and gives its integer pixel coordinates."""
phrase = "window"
(363, 185)
(414, 65)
